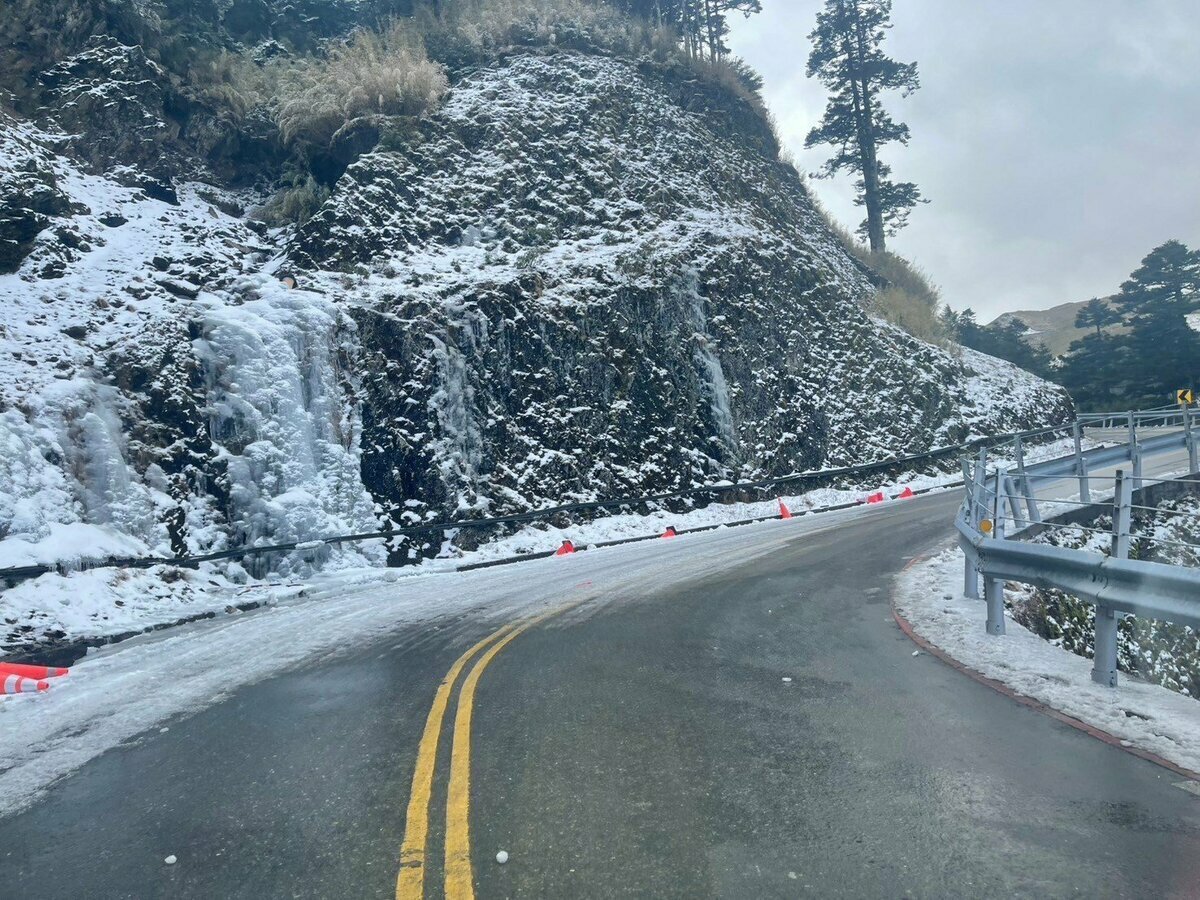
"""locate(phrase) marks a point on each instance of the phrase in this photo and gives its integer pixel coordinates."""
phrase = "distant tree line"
(1005, 340)
(1156, 353)
(702, 25)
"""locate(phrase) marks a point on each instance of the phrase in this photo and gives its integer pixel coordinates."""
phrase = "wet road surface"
(640, 743)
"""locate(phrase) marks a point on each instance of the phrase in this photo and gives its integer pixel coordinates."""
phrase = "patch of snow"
(1149, 717)
(103, 602)
(998, 390)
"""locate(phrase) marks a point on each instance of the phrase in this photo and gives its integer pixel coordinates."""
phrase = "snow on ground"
(82, 471)
(122, 691)
(539, 539)
(997, 385)
(1146, 716)
(103, 602)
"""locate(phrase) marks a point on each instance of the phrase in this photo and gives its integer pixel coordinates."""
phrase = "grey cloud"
(1058, 140)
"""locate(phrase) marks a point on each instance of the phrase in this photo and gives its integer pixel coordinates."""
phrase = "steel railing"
(806, 480)
(1115, 584)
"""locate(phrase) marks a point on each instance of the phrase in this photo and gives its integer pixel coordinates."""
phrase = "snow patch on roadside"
(107, 601)
(1149, 717)
(543, 538)
(123, 691)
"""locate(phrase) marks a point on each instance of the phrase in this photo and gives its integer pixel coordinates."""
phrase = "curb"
(777, 517)
(67, 653)
(1057, 715)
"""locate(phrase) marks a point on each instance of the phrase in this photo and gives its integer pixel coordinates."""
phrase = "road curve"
(644, 742)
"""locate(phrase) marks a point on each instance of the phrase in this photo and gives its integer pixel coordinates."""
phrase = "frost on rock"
(279, 415)
(581, 278)
(569, 286)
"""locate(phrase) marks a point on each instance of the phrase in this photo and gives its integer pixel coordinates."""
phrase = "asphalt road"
(643, 742)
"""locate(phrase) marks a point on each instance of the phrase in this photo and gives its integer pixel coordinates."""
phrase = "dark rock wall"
(568, 285)
(583, 277)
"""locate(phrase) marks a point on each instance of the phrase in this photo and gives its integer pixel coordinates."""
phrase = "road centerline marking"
(410, 883)
(460, 876)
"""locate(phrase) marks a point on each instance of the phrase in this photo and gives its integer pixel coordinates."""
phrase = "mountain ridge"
(1054, 328)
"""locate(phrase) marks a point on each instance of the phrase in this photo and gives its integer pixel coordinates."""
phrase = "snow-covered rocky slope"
(578, 279)
(582, 277)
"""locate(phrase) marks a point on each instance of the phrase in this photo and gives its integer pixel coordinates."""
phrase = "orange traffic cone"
(906, 494)
(25, 671)
(784, 512)
(16, 684)
(566, 549)
(876, 497)
(669, 533)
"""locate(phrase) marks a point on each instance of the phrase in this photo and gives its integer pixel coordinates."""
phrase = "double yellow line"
(459, 876)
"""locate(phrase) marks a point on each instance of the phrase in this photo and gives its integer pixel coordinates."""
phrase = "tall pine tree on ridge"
(846, 58)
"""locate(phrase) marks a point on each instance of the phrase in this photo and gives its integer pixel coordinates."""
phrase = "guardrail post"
(970, 577)
(978, 508)
(1132, 429)
(1025, 486)
(1135, 456)
(970, 564)
(1108, 620)
(1190, 438)
(1122, 516)
(1104, 664)
(998, 516)
(1014, 504)
(980, 504)
(993, 588)
(1081, 469)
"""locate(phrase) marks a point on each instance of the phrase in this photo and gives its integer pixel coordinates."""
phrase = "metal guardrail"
(814, 478)
(1114, 584)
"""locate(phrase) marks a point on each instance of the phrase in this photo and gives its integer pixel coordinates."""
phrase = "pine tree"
(1168, 278)
(1096, 314)
(1157, 298)
(847, 58)
(1093, 370)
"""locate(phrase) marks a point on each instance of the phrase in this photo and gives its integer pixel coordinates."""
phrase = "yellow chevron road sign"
(1185, 397)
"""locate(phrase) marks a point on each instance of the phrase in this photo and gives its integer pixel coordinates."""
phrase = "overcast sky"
(1058, 140)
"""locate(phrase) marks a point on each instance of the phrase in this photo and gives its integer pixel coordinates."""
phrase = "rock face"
(569, 285)
(30, 197)
(580, 278)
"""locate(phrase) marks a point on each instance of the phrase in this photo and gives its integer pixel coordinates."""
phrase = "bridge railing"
(1003, 510)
